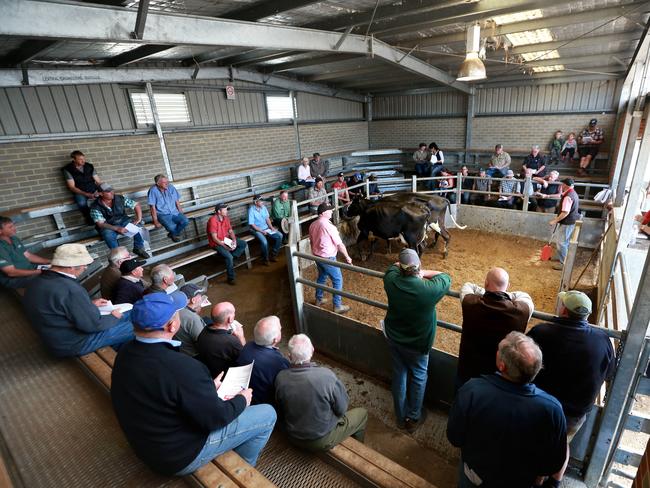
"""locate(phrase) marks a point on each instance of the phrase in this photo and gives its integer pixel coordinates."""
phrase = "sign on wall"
(230, 92)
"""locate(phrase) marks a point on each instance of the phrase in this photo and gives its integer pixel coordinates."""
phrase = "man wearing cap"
(166, 211)
(589, 142)
(342, 187)
(109, 214)
(82, 180)
(326, 243)
(17, 264)
(167, 403)
(222, 239)
(259, 221)
(317, 195)
(355, 180)
(280, 210)
(318, 166)
(565, 221)
(61, 311)
(508, 185)
(220, 342)
(410, 328)
(191, 324)
(129, 288)
(578, 358)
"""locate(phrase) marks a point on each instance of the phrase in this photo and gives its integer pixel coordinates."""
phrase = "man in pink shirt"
(566, 220)
(325, 243)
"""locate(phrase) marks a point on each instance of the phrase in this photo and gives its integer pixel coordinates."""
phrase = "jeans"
(334, 273)
(494, 172)
(563, 237)
(246, 435)
(422, 168)
(173, 223)
(275, 237)
(110, 236)
(307, 184)
(115, 336)
(409, 381)
(436, 169)
(229, 256)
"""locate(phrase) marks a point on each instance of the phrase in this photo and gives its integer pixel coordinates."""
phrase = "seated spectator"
(509, 431)
(269, 361)
(499, 163)
(166, 211)
(569, 148)
(318, 194)
(480, 184)
(109, 214)
(305, 177)
(281, 210)
(222, 238)
(61, 311)
(162, 280)
(508, 185)
(342, 187)
(17, 264)
(589, 142)
(112, 274)
(355, 179)
(422, 158)
(549, 193)
(467, 184)
(262, 228)
(129, 288)
(191, 323)
(373, 186)
(313, 402)
(535, 161)
(221, 341)
(318, 166)
(437, 160)
(555, 148)
(489, 314)
(531, 189)
(448, 183)
(82, 180)
(167, 403)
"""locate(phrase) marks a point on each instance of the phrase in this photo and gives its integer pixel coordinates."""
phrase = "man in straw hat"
(62, 313)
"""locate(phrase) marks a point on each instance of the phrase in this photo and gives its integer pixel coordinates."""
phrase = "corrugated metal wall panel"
(424, 105)
(318, 107)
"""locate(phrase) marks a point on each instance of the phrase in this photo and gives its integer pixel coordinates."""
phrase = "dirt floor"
(471, 254)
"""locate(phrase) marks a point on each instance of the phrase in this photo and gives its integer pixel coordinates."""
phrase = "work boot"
(176, 238)
(341, 309)
(231, 281)
(266, 262)
(321, 302)
(413, 425)
(141, 252)
(274, 258)
(558, 266)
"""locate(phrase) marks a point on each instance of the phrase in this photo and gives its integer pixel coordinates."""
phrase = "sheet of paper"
(109, 307)
(171, 289)
(228, 241)
(205, 302)
(236, 380)
(131, 230)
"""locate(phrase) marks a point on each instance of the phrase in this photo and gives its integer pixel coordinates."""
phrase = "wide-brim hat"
(285, 225)
(69, 255)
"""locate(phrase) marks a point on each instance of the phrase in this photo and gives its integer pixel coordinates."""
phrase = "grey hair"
(159, 273)
(535, 146)
(118, 255)
(266, 330)
(521, 356)
(300, 349)
(222, 316)
(159, 177)
(557, 173)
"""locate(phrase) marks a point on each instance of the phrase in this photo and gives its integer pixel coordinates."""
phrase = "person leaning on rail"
(18, 266)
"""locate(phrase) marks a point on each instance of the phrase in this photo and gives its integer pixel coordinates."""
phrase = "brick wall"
(335, 137)
(446, 132)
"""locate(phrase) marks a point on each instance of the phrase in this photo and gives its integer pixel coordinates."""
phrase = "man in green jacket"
(410, 327)
(281, 209)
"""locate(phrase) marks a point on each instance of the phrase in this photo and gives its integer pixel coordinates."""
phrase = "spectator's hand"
(121, 230)
(117, 314)
(217, 380)
(157, 224)
(94, 195)
(348, 259)
(247, 394)
(136, 221)
(100, 302)
(552, 222)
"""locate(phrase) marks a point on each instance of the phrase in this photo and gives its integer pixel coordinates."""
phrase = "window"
(279, 107)
(172, 108)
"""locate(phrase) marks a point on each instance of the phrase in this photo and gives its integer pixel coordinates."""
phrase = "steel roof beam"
(136, 54)
(314, 61)
(42, 19)
(24, 53)
(260, 10)
(359, 70)
(252, 57)
(582, 42)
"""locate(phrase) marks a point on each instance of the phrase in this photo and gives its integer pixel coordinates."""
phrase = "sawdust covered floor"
(471, 254)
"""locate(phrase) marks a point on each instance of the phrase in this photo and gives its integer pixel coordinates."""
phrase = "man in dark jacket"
(220, 342)
(167, 403)
(489, 314)
(62, 313)
(129, 288)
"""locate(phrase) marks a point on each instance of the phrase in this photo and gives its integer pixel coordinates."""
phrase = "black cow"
(388, 220)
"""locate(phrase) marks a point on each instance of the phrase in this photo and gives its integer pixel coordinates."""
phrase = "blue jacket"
(268, 363)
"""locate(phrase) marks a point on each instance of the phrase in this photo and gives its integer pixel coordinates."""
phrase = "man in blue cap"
(167, 404)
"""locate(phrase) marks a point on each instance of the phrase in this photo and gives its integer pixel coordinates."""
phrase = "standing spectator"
(221, 341)
(222, 239)
(61, 311)
(550, 192)
(569, 215)
(319, 167)
(269, 361)
(577, 360)
(167, 403)
(262, 228)
(82, 180)
(535, 161)
(17, 264)
(555, 147)
(191, 323)
(507, 185)
(129, 288)
(305, 177)
(280, 210)
(499, 162)
(318, 195)
(589, 142)
(166, 211)
(422, 158)
(489, 314)
(342, 187)
(481, 184)
(410, 328)
(314, 403)
(325, 243)
(569, 147)
(467, 184)
(109, 214)
(509, 431)
(112, 274)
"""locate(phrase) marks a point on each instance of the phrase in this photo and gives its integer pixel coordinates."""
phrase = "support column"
(159, 132)
(468, 126)
(296, 129)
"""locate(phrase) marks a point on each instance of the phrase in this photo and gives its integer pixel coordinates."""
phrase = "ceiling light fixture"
(472, 68)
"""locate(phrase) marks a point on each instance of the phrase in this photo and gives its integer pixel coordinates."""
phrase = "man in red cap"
(222, 239)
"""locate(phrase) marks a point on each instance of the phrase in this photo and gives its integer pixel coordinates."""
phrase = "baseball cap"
(154, 310)
(593, 122)
(219, 206)
(576, 302)
(358, 176)
(191, 290)
(408, 258)
(257, 197)
(510, 173)
(68, 255)
(324, 207)
(105, 187)
(130, 264)
(341, 174)
(568, 181)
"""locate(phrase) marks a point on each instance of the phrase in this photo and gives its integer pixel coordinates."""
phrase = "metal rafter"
(260, 10)
(27, 51)
(136, 54)
(141, 19)
(313, 61)
(253, 57)
(41, 19)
